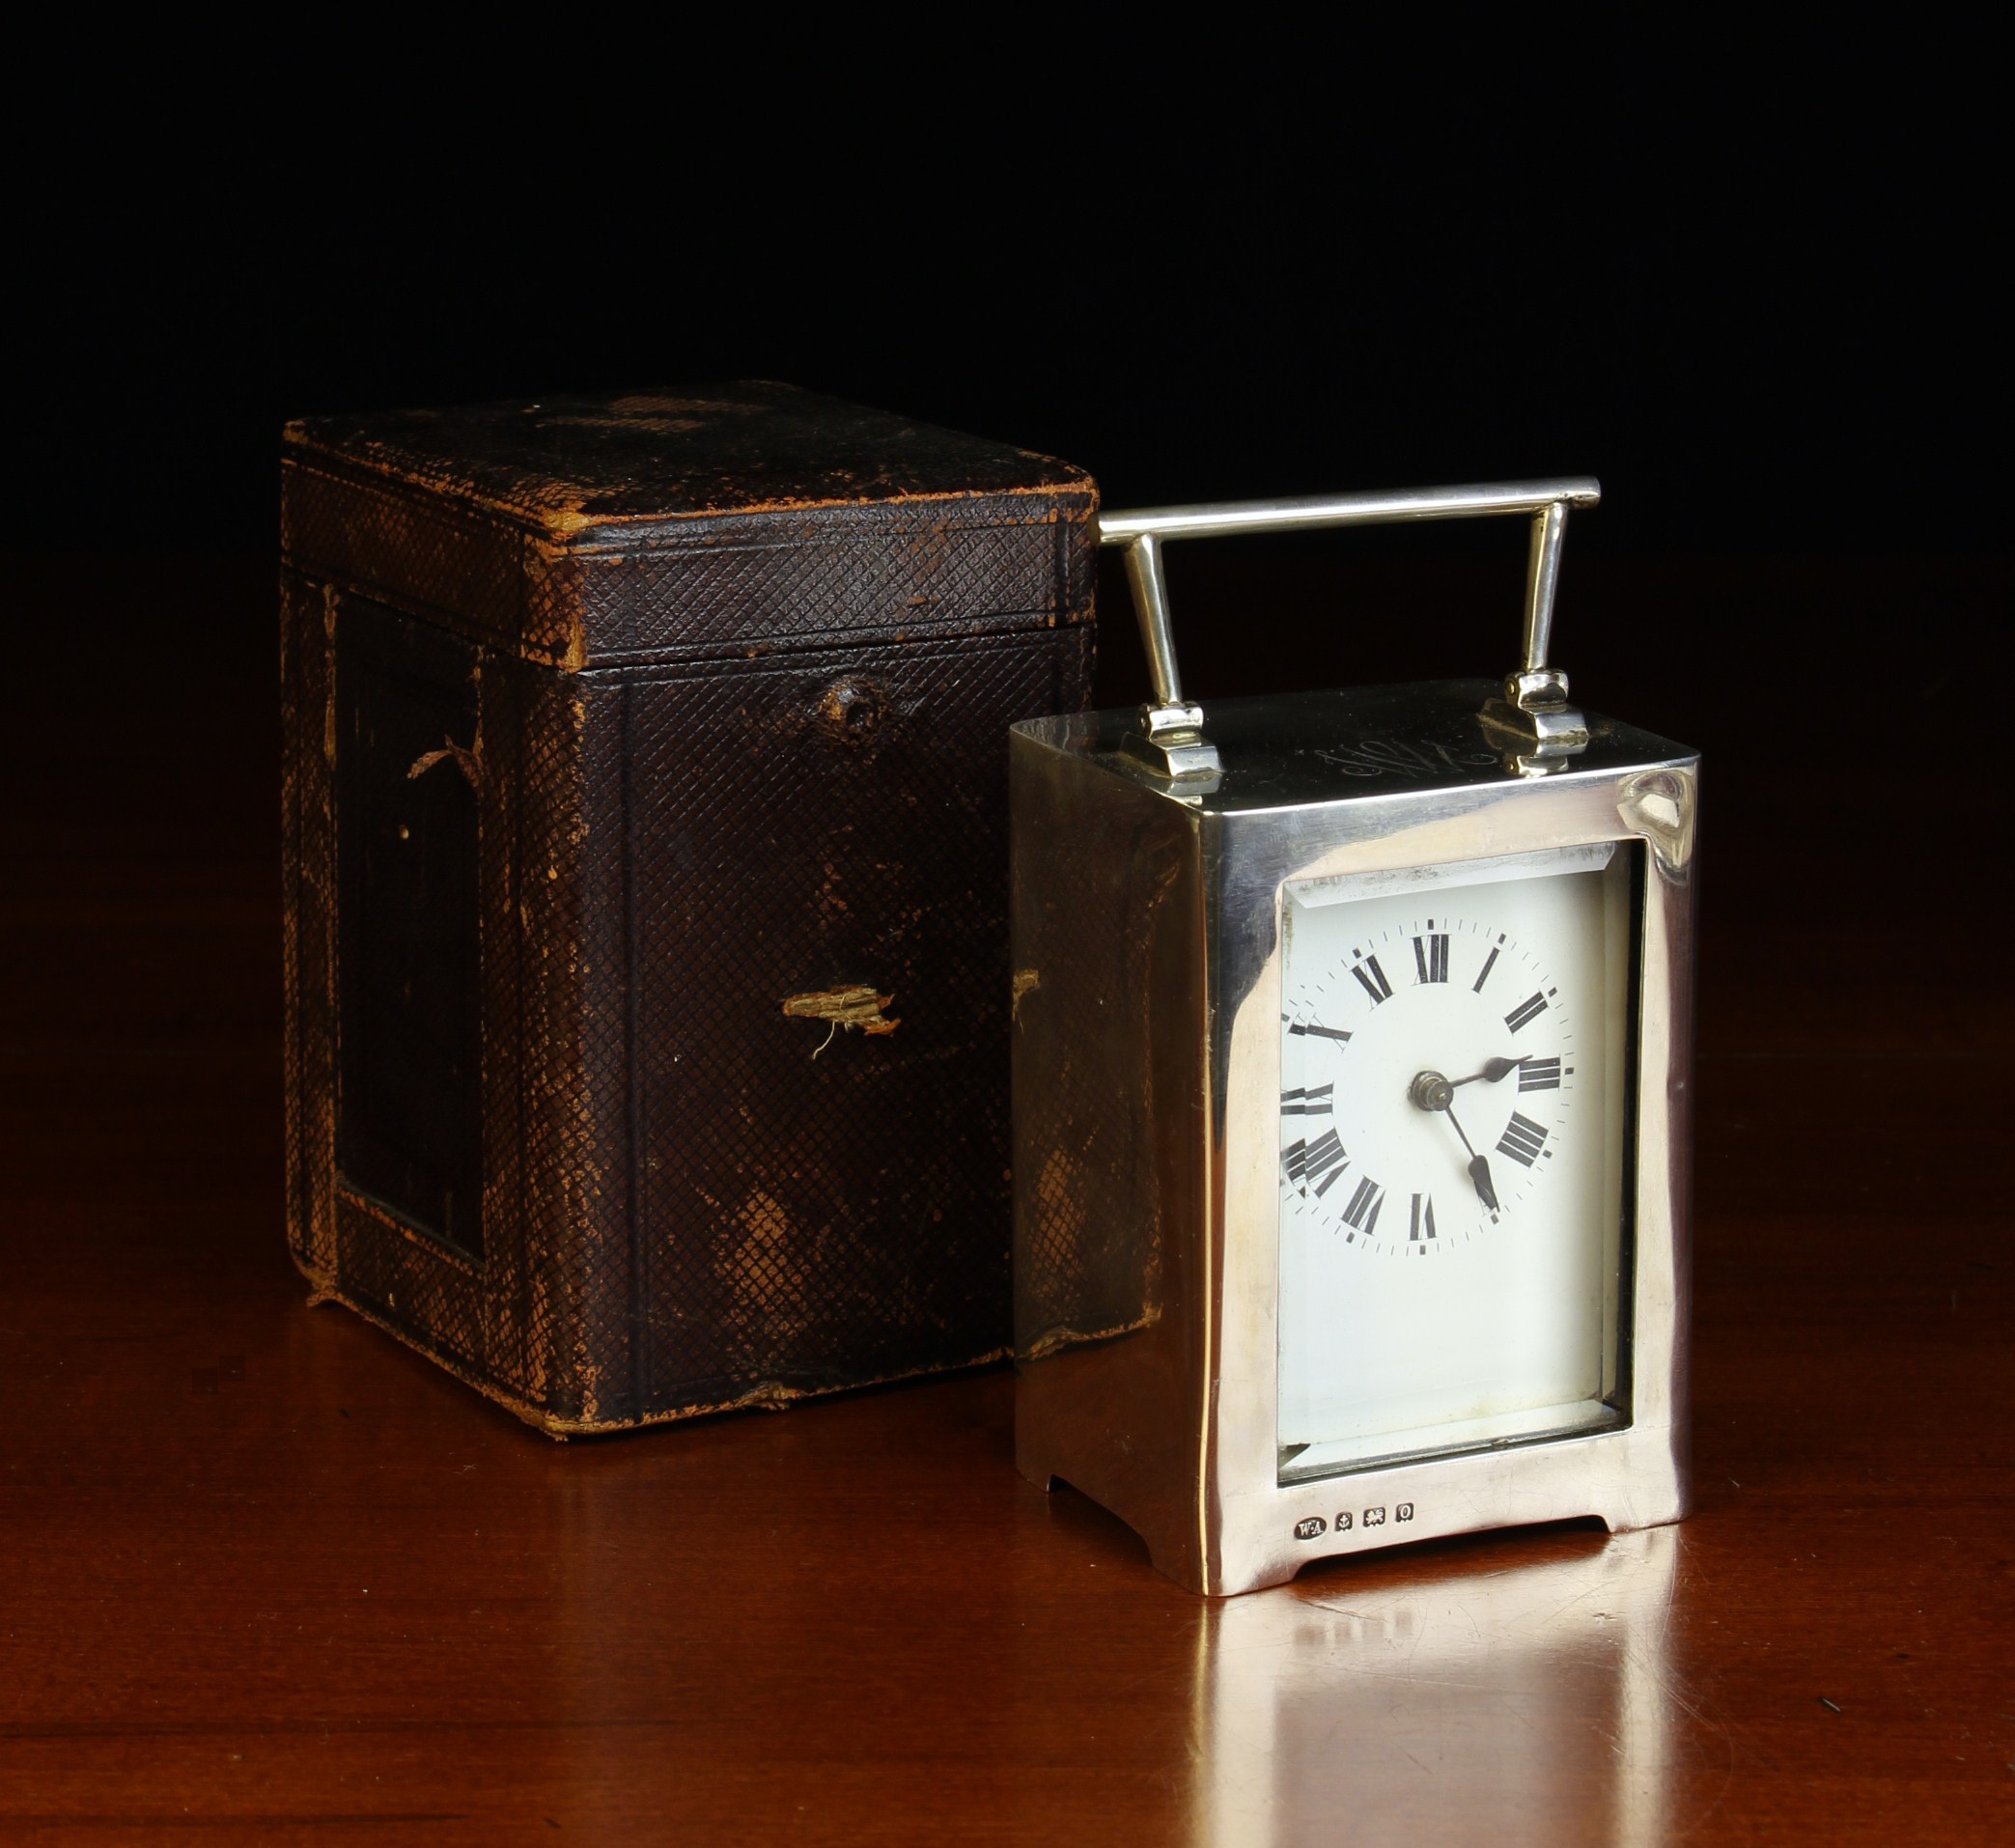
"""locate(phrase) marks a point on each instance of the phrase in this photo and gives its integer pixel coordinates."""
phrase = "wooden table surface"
(269, 1577)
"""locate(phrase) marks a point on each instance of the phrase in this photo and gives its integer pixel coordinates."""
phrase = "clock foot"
(1040, 1473)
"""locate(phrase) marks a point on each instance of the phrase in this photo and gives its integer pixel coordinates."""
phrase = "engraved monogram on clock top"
(1436, 1061)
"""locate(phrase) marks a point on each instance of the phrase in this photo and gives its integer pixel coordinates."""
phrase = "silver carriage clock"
(1350, 1089)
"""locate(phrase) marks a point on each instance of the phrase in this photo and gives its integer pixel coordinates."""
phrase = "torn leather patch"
(855, 1005)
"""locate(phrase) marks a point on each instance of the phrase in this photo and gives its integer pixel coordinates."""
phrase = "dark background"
(1750, 278)
(1752, 283)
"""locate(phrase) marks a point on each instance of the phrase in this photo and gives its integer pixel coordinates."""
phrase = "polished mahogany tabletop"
(270, 1578)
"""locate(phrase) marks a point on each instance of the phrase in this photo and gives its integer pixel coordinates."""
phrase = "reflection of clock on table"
(1351, 1124)
(1555, 1674)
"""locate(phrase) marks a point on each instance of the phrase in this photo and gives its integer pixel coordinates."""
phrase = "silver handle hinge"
(1170, 741)
(1532, 716)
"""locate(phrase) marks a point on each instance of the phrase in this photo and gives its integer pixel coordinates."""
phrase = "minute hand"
(1479, 1168)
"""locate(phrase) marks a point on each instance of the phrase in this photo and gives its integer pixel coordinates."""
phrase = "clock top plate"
(1280, 750)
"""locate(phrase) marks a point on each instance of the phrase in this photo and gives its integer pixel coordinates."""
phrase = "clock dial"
(1425, 1083)
(1450, 1156)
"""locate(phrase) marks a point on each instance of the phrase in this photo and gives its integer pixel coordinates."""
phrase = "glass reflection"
(1333, 1710)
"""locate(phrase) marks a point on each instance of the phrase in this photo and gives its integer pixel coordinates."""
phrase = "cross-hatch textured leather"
(614, 725)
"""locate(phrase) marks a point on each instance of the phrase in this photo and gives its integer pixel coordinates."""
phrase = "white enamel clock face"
(1451, 1068)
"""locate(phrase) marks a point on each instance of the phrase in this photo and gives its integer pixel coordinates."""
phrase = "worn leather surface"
(410, 1016)
(563, 463)
(722, 772)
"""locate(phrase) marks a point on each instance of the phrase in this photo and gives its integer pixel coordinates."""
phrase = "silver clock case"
(1146, 919)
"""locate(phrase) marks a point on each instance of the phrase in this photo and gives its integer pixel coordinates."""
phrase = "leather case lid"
(613, 530)
(558, 465)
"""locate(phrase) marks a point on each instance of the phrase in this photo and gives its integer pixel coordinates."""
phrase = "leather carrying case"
(645, 843)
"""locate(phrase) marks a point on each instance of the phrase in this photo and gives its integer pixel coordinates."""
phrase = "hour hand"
(1493, 1072)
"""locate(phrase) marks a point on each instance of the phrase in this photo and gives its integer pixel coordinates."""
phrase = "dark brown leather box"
(646, 852)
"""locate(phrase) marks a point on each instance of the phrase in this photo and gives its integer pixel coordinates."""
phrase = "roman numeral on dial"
(1431, 958)
(1361, 1209)
(1526, 1013)
(1423, 1218)
(1373, 977)
(1539, 1074)
(1309, 1102)
(1490, 963)
(1315, 1165)
(1521, 1140)
(1305, 1028)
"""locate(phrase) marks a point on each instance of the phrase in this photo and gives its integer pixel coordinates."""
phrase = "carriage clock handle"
(1531, 713)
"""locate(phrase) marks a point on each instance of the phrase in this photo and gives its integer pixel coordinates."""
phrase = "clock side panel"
(1110, 1164)
(1660, 807)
